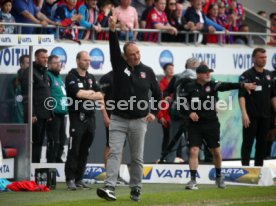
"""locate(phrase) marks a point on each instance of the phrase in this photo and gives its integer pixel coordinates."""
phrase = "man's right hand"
(245, 120)
(34, 119)
(194, 117)
(163, 122)
(112, 23)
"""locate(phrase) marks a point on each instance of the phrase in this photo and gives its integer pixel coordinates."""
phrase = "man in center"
(132, 82)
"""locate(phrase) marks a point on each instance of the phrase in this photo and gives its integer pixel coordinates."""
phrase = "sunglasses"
(172, 4)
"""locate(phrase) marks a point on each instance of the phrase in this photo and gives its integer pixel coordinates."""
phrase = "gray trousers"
(120, 129)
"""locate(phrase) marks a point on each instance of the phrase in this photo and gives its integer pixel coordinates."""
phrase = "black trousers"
(82, 132)
(258, 129)
(166, 138)
(56, 138)
(38, 137)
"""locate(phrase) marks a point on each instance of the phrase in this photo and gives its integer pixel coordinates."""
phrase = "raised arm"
(114, 47)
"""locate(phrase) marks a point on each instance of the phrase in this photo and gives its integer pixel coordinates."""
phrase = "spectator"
(206, 4)
(272, 18)
(163, 115)
(39, 3)
(56, 128)
(212, 13)
(127, 20)
(262, 14)
(157, 19)
(105, 12)
(170, 10)
(236, 10)
(26, 12)
(195, 15)
(227, 21)
(242, 39)
(47, 7)
(66, 15)
(181, 24)
(89, 12)
(41, 91)
(143, 20)
(7, 17)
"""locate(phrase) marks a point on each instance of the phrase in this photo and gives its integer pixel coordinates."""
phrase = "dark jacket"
(192, 16)
(41, 90)
(130, 82)
(73, 83)
(258, 103)
(197, 96)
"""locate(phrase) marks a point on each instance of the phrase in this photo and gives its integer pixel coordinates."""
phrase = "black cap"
(203, 69)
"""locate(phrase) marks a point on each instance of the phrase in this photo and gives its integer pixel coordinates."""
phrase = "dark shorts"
(207, 132)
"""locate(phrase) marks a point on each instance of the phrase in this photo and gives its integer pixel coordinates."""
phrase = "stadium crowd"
(170, 16)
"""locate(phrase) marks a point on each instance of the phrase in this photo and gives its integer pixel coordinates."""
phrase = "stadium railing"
(221, 34)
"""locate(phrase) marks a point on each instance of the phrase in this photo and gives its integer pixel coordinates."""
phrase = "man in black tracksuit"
(82, 92)
(132, 83)
(42, 112)
(255, 108)
(201, 97)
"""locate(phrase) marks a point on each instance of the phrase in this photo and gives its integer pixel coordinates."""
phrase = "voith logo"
(165, 57)
(147, 173)
(97, 58)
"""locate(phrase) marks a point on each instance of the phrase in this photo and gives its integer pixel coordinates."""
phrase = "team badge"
(208, 89)
(143, 75)
(56, 83)
(268, 77)
(154, 16)
(90, 82)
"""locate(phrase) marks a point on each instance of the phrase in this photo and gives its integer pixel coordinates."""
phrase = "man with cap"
(199, 96)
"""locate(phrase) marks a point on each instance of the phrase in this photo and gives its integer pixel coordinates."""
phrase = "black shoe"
(107, 193)
(135, 194)
(82, 184)
(71, 185)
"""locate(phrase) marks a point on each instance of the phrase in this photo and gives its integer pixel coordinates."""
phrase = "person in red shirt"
(163, 115)
(272, 18)
(157, 19)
